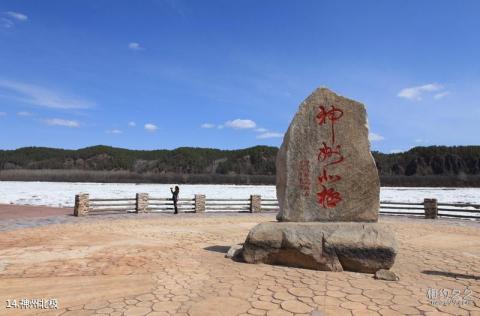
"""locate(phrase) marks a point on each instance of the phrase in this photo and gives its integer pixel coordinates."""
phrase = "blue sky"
(230, 74)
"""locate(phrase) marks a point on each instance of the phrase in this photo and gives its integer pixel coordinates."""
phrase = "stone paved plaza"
(156, 264)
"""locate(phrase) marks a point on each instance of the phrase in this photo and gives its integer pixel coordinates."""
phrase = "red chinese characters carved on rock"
(331, 155)
(327, 152)
(326, 178)
(333, 115)
(328, 197)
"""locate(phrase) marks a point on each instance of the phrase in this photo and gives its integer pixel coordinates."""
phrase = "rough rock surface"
(234, 252)
(386, 275)
(325, 170)
(359, 247)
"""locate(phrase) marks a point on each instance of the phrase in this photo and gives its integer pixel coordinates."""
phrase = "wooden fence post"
(199, 203)
(141, 203)
(431, 208)
(82, 204)
(255, 203)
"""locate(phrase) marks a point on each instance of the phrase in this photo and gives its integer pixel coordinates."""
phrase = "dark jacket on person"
(175, 194)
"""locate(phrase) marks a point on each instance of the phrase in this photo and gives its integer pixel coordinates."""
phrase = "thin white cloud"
(3, 114)
(6, 23)
(207, 125)
(41, 96)
(114, 131)
(24, 113)
(373, 137)
(134, 46)
(240, 124)
(415, 93)
(270, 135)
(9, 19)
(150, 127)
(132, 124)
(261, 130)
(17, 16)
(220, 126)
(441, 95)
(61, 122)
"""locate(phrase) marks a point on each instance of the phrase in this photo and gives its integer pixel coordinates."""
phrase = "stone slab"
(359, 247)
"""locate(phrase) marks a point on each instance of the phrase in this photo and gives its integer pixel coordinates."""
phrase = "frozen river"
(63, 193)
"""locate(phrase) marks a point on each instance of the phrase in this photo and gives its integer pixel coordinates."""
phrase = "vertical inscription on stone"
(304, 176)
(329, 154)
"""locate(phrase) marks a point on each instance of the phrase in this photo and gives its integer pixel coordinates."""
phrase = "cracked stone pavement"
(159, 264)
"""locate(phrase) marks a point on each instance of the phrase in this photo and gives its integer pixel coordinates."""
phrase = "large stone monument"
(328, 192)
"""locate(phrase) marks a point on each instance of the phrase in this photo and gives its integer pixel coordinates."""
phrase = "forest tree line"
(420, 166)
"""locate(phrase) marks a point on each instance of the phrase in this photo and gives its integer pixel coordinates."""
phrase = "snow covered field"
(62, 193)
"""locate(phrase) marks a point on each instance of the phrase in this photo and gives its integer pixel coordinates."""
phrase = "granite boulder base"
(359, 247)
(328, 192)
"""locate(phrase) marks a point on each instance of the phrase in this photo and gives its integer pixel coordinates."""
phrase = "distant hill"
(420, 166)
(254, 165)
(433, 160)
(185, 160)
(431, 166)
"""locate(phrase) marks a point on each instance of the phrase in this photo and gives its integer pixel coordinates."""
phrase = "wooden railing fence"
(227, 204)
(142, 203)
(166, 204)
(103, 206)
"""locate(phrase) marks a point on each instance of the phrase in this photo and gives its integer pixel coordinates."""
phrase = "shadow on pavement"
(451, 274)
(218, 248)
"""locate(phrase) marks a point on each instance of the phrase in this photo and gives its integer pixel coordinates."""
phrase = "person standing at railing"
(175, 198)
